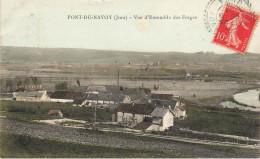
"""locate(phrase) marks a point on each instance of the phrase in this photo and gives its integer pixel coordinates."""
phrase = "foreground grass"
(28, 111)
(11, 147)
(228, 149)
(221, 120)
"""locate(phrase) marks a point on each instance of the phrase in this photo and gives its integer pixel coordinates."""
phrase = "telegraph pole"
(118, 77)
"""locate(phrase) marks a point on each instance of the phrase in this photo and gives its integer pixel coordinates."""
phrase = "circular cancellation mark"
(214, 11)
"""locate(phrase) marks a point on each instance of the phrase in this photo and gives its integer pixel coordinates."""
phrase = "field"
(29, 111)
(221, 120)
(10, 147)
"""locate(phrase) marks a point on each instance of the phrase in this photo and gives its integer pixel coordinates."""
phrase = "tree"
(155, 87)
(61, 86)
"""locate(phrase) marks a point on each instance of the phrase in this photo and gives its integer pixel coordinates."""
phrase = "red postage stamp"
(235, 28)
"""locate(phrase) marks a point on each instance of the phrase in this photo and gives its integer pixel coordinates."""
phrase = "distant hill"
(85, 56)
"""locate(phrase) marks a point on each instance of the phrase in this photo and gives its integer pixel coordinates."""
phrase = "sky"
(45, 24)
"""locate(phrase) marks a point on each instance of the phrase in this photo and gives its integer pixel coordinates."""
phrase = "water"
(229, 104)
(250, 98)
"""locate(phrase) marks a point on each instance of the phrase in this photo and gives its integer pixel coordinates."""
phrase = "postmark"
(235, 28)
(214, 11)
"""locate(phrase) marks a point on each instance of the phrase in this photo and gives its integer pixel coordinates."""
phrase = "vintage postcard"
(129, 79)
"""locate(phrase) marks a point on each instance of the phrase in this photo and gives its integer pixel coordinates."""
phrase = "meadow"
(29, 111)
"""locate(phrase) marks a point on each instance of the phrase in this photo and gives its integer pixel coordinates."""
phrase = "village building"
(55, 113)
(6, 96)
(161, 97)
(34, 96)
(180, 112)
(30, 88)
(163, 118)
(176, 106)
(102, 99)
(65, 96)
(96, 89)
(132, 113)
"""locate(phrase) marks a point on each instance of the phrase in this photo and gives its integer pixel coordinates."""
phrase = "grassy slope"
(38, 110)
(221, 120)
(235, 150)
(11, 147)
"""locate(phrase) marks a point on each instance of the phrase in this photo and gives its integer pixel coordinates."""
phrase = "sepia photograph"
(129, 79)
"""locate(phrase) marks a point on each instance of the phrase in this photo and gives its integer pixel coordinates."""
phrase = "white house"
(162, 119)
(35, 96)
(132, 113)
(179, 112)
(176, 106)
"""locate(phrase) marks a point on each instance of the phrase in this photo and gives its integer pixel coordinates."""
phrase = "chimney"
(170, 108)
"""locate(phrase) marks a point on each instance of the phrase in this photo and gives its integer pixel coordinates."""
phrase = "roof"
(142, 126)
(66, 95)
(134, 108)
(160, 112)
(106, 97)
(134, 93)
(164, 103)
(97, 89)
(30, 88)
(53, 112)
(162, 96)
(6, 95)
(78, 101)
(181, 108)
(29, 94)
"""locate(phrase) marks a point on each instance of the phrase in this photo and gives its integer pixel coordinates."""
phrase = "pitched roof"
(106, 97)
(30, 88)
(66, 95)
(53, 112)
(162, 96)
(142, 126)
(160, 112)
(181, 108)
(29, 94)
(134, 108)
(97, 89)
(78, 101)
(164, 103)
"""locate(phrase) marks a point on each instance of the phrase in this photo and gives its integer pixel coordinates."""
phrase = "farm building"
(35, 96)
(30, 88)
(132, 113)
(103, 98)
(65, 96)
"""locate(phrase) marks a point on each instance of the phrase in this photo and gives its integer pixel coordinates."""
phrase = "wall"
(168, 120)
(129, 118)
(61, 100)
